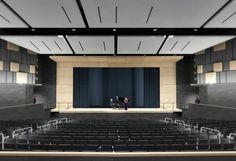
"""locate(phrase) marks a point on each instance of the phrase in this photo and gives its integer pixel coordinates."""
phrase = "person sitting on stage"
(126, 103)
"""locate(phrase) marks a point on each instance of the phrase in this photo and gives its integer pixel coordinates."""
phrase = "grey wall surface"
(47, 77)
(205, 111)
(14, 94)
(184, 77)
(22, 112)
(223, 94)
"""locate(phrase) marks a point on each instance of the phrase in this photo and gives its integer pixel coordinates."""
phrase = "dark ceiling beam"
(119, 31)
(81, 9)
(16, 14)
(216, 13)
(162, 44)
(68, 43)
(115, 44)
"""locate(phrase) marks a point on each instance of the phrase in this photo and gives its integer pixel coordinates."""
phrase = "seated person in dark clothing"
(197, 100)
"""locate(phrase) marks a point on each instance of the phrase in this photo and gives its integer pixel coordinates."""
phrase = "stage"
(115, 110)
(115, 113)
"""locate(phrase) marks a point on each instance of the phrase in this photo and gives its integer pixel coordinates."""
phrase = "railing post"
(3, 139)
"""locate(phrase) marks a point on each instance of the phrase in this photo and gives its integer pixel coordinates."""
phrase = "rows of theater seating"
(224, 126)
(108, 136)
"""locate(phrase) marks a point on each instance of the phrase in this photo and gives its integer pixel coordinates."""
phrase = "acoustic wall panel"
(207, 68)
(218, 67)
(210, 78)
(219, 47)
(14, 67)
(14, 56)
(1, 65)
(223, 77)
(11, 46)
(6, 66)
(3, 77)
(21, 78)
(216, 56)
(9, 77)
(200, 69)
(232, 65)
(4, 55)
(24, 68)
(231, 77)
(200, 78)
(32, 69)
(225, 66)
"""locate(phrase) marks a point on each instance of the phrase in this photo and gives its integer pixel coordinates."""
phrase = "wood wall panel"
(14, 67)
(1, 65)
(21, 78)
(32, 69)
(219, 47)
(11, 46)
(210, 77)
(200, 69)
(218, 67)
(65, 65)
(232, 65)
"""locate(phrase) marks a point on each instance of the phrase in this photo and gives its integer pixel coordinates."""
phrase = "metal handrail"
(167, 119)
(230, 135)
(53, 122)
(211, 130)
(181, 122)
(21, 130)
(3, 139)
(65, 119)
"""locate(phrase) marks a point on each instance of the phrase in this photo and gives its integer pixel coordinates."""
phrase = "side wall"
(65, 67)
(46, 93)
(185, 76)
(223, 92)
(13, 60)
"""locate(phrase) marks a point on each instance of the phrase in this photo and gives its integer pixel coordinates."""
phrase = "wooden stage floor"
(112, 110)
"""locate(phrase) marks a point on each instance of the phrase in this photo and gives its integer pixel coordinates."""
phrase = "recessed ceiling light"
(60, 36)
(32, 29)
(195, 29)
(170, 36)
(73, 29)
(154, 29)
(114, 29)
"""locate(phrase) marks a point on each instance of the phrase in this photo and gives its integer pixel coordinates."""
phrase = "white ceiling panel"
(41, 44)
(139, 44)
(92, 44)
(191, 44)
(225, 19)
(49, 13)
(9, 19)
(150, 13)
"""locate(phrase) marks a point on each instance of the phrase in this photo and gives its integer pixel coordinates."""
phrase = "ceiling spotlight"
(170, 36)
(60, 36)
(32, 29)
(114, 30)
(73, 29)
(154, 29)
(195, 29)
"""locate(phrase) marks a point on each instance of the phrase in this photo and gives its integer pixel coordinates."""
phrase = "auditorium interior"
(112, 80)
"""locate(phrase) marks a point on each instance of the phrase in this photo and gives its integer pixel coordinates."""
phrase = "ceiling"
(41, 44)
(149, 13)
(191, 44)
(87, 23)
(92, 44)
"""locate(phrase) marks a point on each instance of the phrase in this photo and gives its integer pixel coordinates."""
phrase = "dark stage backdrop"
(93, 87)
